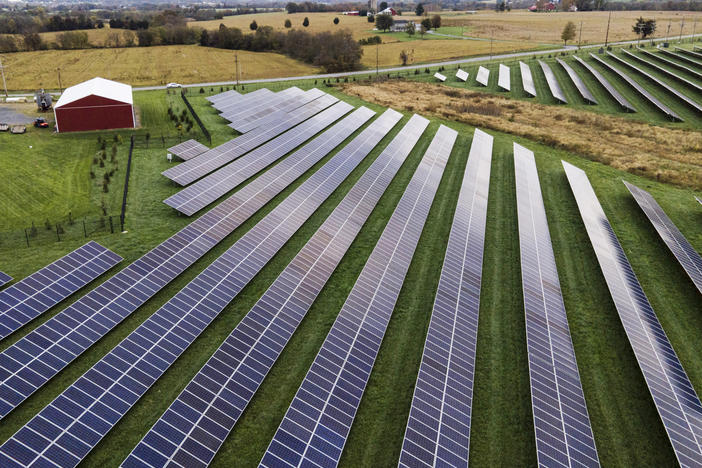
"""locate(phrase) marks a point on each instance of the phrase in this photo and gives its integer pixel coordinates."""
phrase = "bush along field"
(626, 426)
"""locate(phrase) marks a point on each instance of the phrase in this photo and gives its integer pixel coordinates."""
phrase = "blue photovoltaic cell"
(33, 360)
(438, 427)
(28, 299)
(640, 89)
(192, 199)
(247, 355)
(100, 397)
(674, 396)
(201, 165)
(689, 259)
(561, 423)
(4, 278)
(319, 418)
(606, 85)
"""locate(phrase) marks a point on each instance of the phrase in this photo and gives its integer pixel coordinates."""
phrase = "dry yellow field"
(319, 22)
(95, 36)
(424, 51)
(143, 66)
(546, 27)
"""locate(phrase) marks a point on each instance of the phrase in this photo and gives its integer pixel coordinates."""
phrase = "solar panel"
(192, 199)
(249, 352)
(226, 95)
(561, 422)
(680, 57)
(699, 200)
(660, 83)
(689, 259)
(553, 85)
(483, 76)
(4, 278)
(662, 107)
(188, 149)
(527, 79)
(29, 298)
(244, 100)
(578, 82)
(286, 105)
(438, 427)
(606, 85)
(503, 78)
(672, 63)
(462, 75)
(689, 52)
(240, 115)
(677, 403)
(34, 359)
(319, 418)
(663, 70)
(91, 406)
(190, 171)
(439, 76)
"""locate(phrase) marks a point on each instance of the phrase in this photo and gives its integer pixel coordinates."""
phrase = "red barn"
(96, 104)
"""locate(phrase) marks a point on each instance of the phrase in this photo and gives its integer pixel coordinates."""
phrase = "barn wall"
(94, 113)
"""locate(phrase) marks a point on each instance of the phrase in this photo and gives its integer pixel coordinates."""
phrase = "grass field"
(626, 426)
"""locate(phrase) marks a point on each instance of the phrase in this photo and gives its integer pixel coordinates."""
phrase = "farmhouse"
(96, 104)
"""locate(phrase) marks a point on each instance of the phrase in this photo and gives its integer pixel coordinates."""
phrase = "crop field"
(627, 429)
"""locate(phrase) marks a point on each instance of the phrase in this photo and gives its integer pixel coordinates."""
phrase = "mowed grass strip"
(625, 423)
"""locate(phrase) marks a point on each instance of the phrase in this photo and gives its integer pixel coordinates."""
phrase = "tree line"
(333, 51)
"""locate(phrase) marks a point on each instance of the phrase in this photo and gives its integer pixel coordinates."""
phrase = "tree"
(406, 56)
(336, 20)
(568, 33)
(644, 27)
(253, 26)
(423, 29)
(426, 23)
(410, 29)
(435, 22)
(384, 22)
(419, 11)
(33, 41)
(565, 5)
(288, 24)
(204, 38)
(382, 6)
(371, 19)
(306, 22)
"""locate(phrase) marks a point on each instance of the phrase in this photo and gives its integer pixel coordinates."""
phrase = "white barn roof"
(97, 87)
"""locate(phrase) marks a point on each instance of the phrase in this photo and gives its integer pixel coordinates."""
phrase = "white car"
(174, 85)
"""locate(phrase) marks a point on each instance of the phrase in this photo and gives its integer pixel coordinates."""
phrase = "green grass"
(626, 426)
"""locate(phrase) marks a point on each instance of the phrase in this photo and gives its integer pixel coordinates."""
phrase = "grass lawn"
(627, 429)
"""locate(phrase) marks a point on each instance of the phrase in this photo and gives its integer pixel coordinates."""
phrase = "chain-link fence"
(45, 232)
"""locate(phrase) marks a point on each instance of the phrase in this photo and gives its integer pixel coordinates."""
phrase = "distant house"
(350, 13)
(401, 25)
(388, 11)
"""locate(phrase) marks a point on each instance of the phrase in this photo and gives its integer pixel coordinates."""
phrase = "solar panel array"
(231, 377)
(662, 107)
(691, 53)
(241, 114)
(689, 259)
(38, 356)
(578, 82)
(527, 79)
(462, 75)
(439, 76)
(4, 278)
(287, 104)
(663, 70)
(230, 104)
(483, 76)
(320, 416)
(29, 298)
(553, 85)
(438, 428)
(606, 85)
(674, 396)
(71, 425)
(188, 149)
(680, 57)
(190, 171)
(699, 200)
(225, 96)
(561, 422)
(660, 83)
(672, 63)
(192, 199)
(503, 78)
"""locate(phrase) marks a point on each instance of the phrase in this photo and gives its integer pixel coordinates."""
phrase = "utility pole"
(2, 70)
(682, 24)
(609, 19)
(236, 61)
(58, 72)
(694, 24)
(492, 34)
(580, 36)
(377, 46)
(667, 33)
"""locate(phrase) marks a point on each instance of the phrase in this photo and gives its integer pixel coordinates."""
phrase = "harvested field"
(660, 153)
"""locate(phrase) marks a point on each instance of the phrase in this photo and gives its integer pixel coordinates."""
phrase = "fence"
(195, 116)
(161, 140)
(126, 184)
(45, 232)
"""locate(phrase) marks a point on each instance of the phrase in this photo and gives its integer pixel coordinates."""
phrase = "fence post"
(196, 117)
(26, 236)
(57, 233)
(85, 232)
(112, 229)
(126, 186)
